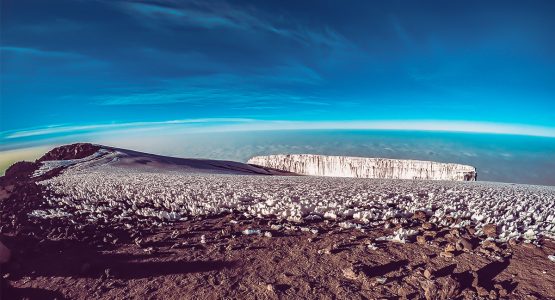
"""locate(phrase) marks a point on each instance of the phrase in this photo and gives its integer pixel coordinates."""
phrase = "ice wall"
(362, 167)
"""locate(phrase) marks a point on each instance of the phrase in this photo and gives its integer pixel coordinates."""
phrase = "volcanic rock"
(441, 288)
(21, 169)
(428, 226)
(420, 215)
(73, 151)
(464, 245)
(490, 230)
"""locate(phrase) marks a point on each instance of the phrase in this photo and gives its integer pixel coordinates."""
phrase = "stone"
(442, 288)
(464, 245)
(349, 273)
(427, 274)
(430, 289)
(372, 246)
(403, 292)
(428, 226)
(150, 250)
(450, 220)
(381, 280)
(447, 254)
(482, 292)
(491, 245)
(490, 230)
(501, 290)
(450, 247)
(326, 250)
(475, 279)
(421, 239)
(420, 215)
(430, 233)
(448, 287)
(251, 231)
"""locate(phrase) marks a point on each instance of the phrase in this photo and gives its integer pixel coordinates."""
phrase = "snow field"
(114, 192)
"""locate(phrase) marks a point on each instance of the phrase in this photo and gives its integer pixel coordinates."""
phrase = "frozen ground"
(104, 188)
(366, 167)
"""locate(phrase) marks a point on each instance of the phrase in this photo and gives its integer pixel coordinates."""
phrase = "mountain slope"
(84, 155)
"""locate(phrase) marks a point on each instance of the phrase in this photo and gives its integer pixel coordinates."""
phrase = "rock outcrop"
(362, 167)
(73, 151)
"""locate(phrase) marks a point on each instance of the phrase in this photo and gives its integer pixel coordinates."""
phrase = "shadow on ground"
(79, 260)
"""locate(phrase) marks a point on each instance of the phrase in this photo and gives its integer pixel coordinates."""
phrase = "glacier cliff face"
(362, 167)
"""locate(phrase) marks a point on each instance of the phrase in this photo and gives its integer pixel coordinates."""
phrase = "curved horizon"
(241, 125)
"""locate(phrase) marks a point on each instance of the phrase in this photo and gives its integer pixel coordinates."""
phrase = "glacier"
(364, 167)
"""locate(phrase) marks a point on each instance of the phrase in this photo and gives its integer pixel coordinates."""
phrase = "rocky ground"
(232, 256)
(219, 258)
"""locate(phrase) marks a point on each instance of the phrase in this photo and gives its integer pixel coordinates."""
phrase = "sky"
(74, 67)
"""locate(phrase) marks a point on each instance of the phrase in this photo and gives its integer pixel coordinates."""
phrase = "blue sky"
(84, 66)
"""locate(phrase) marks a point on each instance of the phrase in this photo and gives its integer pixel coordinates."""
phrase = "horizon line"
(208, 125)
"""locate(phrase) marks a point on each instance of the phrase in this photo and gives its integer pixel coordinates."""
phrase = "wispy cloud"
(401, 32)
(221, 15)
(263, 88)
(413, 125)
(189, 16)
(73, 129)
(39, 52)
(207, 125)
(203, 97)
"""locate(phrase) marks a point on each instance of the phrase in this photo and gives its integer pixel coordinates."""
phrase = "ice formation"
(116, 184)
(49, 165)
(362, 167)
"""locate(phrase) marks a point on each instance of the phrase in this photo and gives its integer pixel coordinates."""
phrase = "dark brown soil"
(173, 263)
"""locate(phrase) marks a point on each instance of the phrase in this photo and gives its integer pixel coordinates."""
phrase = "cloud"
(401, 32)
(73, 129)
(263, 88)
(39, 52)
(190, 16)
(203, 97)
(208, 125)
(221, 15)
(431, 125)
